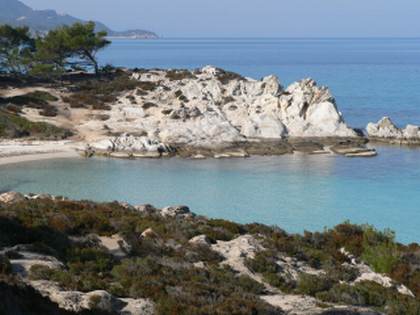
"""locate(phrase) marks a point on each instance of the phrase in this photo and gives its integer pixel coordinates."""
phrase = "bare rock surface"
(11, 197)
(385, 130)
(212, 108)
(77, 301)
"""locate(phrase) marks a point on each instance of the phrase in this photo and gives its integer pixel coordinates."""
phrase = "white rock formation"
(386, 130)
(367, 274)
(200, 240)
(74, 301)
(115, 244)
(11, 197)
(177, 212)
(77, 301)
(211, 107)
(129, 144)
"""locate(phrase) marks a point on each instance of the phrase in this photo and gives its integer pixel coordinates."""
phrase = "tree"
(16, 49)
(85, 43)
(71, 46)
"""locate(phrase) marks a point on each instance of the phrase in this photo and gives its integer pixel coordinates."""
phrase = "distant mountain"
(16, 13)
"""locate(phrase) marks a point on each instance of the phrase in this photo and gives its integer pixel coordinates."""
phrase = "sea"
(370, 78)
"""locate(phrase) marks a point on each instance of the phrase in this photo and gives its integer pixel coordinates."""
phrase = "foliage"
(311, 284)
(163, 268)
(381, 254)
(15, 126)
(97, 93)
(66, 47)
(71, 46)
(16, 48)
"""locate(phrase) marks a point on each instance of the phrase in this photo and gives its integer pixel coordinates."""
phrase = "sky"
(250, 18)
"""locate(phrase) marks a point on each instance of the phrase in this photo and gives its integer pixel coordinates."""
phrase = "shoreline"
(15, 151)
(22, 158)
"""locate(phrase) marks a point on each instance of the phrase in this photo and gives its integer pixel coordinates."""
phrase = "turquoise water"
(296, 192)
(369, 77)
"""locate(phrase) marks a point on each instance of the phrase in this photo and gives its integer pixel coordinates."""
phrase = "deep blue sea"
(369, 77)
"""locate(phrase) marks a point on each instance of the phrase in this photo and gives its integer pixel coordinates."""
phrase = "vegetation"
(67, 47)
(16, 49)
(162, 267)
(15, 126)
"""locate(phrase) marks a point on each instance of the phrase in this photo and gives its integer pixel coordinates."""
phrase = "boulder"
(386, 130)
(177, 212)
(200, 240)
(128, 145)
(11, 197)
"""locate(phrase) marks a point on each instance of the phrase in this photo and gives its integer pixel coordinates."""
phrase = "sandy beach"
(12, 152)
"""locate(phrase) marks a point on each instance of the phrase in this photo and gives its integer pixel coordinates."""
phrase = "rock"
(26, 260)
(200, 240)
(149, 233)
(310, 111)
(177, 212)
(385, 130)
(349, 150)
(231, 154)
(367, 274)
(236, 251)
(137, 307)
(147, 209)
(126, 146)
(210, 108)
(100, 300)
(116, 245)
(11, 197)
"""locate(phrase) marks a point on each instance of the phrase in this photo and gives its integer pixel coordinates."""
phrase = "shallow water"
(296, 192)
(370, 78)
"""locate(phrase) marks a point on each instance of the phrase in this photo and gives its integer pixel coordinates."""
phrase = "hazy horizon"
(249, 19)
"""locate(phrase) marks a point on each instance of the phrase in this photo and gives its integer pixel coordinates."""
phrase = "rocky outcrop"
(11, 197)
(127, 145)
(386, 131)
(367, 274)
(216, 113)
(77, 302)
(72, 301)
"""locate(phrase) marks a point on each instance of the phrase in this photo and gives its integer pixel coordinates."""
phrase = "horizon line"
(286, 37)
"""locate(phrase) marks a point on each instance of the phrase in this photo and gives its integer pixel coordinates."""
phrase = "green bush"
(312, 284)
(5, 266)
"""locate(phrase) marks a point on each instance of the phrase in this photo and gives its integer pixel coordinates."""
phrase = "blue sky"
(250, 18)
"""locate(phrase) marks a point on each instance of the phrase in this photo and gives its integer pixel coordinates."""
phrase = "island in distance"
(16, 13)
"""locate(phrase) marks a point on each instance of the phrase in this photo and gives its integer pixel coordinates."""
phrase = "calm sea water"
(369, 77)
(296, 192)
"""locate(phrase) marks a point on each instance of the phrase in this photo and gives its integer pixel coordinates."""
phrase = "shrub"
(176, 75)
(5, 266)
(15, 126)
(312, 284)
(380, 251)
(360, 294)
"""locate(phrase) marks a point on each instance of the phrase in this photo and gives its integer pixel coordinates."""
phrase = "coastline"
(13, 152)
(21, 158)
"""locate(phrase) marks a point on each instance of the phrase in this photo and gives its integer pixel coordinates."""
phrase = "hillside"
(16, 13)
(114, 258)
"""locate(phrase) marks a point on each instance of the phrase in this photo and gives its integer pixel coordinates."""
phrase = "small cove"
(296, 192)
